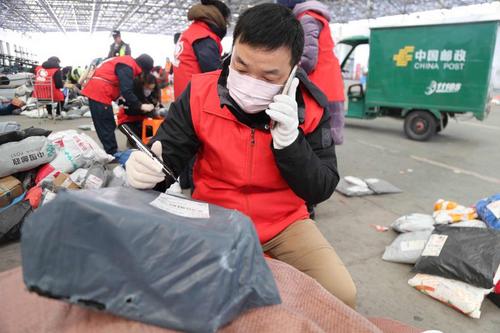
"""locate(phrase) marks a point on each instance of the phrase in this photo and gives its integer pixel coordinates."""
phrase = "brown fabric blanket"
(306, 307)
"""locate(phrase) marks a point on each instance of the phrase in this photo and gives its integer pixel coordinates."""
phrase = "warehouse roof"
(169, 16)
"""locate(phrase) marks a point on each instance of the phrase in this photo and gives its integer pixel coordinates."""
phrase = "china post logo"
(404, 56)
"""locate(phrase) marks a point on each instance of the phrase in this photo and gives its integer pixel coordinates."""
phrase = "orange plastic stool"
(150, 126)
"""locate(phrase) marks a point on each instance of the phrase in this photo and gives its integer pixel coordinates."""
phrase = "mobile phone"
(286, 87)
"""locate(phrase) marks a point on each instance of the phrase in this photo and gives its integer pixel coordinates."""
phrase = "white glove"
(142, 171)
(147, 108)
(284, 112)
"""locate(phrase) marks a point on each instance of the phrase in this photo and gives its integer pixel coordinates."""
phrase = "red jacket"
(104, 86)
(185, 61)
(43, 91)
(235, 166)
(327, 75)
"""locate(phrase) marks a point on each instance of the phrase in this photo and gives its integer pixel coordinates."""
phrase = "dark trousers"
(58, 108)
(104, 123)
(6, 110)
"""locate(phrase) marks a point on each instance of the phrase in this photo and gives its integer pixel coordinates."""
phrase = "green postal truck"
(425, 74)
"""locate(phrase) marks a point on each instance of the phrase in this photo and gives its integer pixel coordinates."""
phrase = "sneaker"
(50, 117)
(58, 117)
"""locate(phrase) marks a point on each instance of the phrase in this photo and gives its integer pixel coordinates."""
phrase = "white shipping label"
(434, 246)
(413, 245)
(93, 182)
(494, 207)
(182, 207)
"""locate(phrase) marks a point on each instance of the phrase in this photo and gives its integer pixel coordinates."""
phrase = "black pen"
(145, 149)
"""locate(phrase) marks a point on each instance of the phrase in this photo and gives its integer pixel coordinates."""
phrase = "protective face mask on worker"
(147, 92)
(251, 94)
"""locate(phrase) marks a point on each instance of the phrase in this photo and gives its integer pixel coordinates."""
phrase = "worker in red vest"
(147, 90)
(50, 72)
(199, 48)
(319, 60)
(114, 78)
(263, 148)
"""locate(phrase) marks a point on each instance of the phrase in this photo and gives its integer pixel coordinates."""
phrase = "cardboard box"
(10, 188)
(64, 181)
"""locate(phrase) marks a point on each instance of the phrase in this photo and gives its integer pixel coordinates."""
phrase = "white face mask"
(147, 92)
(252, 95)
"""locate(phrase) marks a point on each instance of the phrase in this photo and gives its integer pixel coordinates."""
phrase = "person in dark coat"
(119, 48)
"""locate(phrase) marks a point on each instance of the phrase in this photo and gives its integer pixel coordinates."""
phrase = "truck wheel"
(445, 122)
(420, 125)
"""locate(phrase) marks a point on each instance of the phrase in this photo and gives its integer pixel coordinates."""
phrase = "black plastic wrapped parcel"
(146, 256)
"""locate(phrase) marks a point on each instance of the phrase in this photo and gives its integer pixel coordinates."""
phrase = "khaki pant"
(302, 246)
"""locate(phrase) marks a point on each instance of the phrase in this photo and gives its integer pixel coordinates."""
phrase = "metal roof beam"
(74, 17)
(129, 14)
(48, 8)
(14, 10)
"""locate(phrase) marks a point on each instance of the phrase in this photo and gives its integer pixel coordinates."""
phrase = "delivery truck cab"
(424, 74)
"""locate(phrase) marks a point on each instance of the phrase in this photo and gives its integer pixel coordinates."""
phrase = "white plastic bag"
(76, 150)
(413, 222)
(118, 177)
(353, 186)
(407, 247)
(459, 295)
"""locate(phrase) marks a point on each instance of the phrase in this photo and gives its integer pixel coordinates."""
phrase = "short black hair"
(271, 26)
(149, 79)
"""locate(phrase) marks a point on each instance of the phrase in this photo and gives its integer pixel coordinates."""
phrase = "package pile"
(75, 106)
(35, 164)
(456, 252)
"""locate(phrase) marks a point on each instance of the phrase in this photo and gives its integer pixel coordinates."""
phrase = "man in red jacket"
(267, 171)
(199, 48)
(114, 78)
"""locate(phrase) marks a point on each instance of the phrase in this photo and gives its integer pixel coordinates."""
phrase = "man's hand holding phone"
(284, 114)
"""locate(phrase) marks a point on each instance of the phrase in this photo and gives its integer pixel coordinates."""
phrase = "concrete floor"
(460, 164)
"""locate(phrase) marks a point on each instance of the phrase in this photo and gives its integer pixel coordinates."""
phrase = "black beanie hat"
(221, 6)
(145, 62)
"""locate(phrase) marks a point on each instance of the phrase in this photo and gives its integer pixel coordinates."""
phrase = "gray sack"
(25, 155)
(112, 250)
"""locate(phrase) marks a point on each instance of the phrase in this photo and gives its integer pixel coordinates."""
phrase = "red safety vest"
(327, 74)
(185, 61)
(104, 86)
(123, 118)
(44, 91)
(235, 166)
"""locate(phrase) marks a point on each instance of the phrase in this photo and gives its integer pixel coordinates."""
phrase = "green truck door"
(437, 67)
